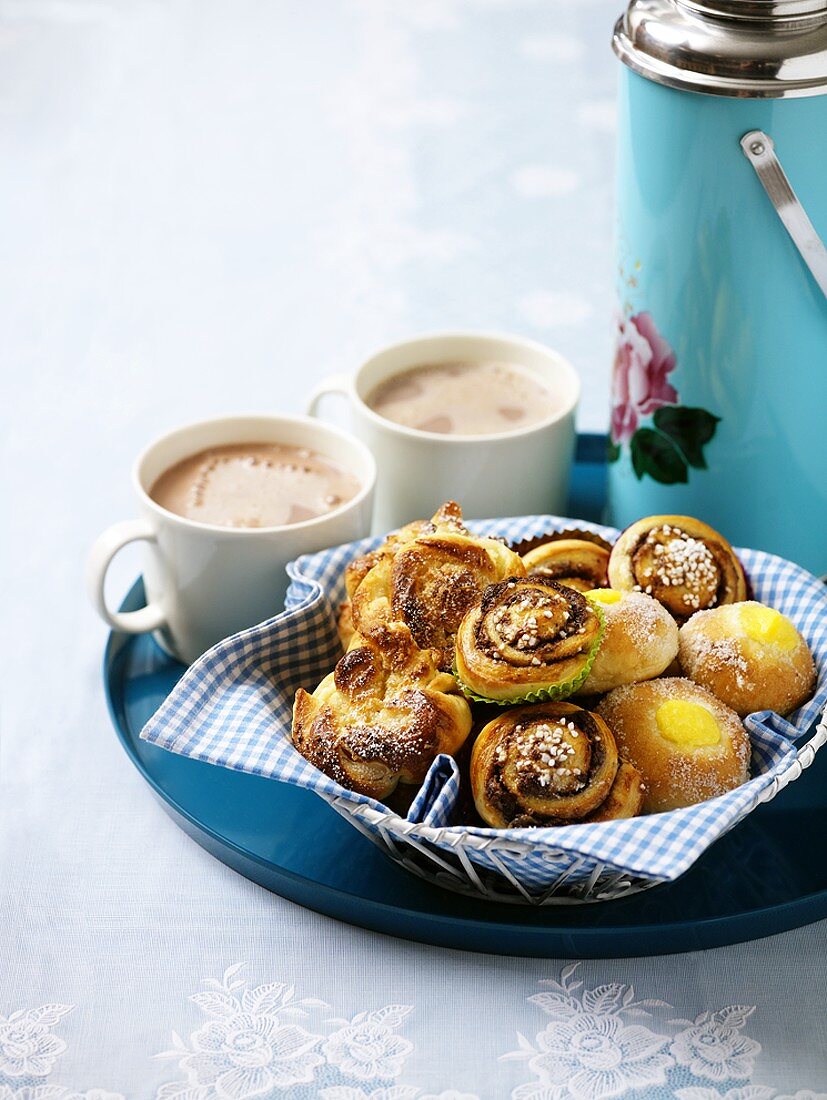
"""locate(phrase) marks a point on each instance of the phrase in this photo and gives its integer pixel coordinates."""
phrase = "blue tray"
(767, 875)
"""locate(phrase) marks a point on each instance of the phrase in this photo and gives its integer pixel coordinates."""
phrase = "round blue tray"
(767, 875)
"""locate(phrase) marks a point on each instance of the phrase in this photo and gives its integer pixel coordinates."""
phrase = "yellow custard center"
(769, 627)
(605, 595)
(687, 723)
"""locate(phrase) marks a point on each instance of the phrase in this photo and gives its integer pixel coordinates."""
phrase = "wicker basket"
(227, 707)
(413, 847)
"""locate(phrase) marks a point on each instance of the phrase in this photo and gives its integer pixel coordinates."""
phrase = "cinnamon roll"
(574, 562)
(429, 583)
(528, 638)
(544, 764)
(682, 562)
(625, 799)
(382, 716)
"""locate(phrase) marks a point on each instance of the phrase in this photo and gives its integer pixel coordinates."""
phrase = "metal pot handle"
(759, 150)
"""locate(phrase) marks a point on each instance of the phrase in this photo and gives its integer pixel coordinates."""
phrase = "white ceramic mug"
(520, 472)
(204, 582)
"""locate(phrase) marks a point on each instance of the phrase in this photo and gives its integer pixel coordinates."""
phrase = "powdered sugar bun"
(640, 641)
(685, 743)
(750, 656)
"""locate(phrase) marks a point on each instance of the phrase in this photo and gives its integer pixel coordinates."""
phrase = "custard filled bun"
(750, 656)
(640, 640)
(685, 743)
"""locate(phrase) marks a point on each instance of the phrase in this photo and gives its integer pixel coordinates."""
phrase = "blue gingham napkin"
(233, 707)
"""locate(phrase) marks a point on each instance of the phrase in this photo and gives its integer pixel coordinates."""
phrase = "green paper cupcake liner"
(556, 692)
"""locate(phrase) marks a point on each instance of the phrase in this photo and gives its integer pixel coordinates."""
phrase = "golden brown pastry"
(625, 799)
(542, 764)
(685, 743)
(382, 716)
(640, 640)
(344, 624)
(429, 583)
(527, 636)
(750, 656)
(574, 562)
(683, 563)
(449, 515)
(356, 571)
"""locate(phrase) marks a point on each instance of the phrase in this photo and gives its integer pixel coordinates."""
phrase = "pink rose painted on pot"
(639, 384)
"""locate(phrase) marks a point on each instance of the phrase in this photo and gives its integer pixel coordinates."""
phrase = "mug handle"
(334, 383)
(105, 548)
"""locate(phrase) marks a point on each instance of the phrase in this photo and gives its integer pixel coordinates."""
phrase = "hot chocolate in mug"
(204, 582)
(521, 471)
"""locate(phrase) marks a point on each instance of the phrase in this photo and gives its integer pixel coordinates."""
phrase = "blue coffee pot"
(719, 385)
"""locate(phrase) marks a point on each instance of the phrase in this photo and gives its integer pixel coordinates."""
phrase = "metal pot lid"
(745, 48)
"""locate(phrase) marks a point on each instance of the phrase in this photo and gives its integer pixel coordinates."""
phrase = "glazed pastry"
(574, 562)
(625, 799)
(680, 561)
(449, 517)
(429, 583)
(358, 569)
(344, 624)
(685, 743)
(750, 656)
(382, 716)
(529, 637)
(640, 640)
(543, 764)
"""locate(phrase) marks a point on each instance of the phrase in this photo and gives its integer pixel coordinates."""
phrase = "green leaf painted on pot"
(690, 429)
(656, 455)
(612, 451)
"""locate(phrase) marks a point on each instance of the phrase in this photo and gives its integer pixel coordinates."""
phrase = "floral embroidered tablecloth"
(584, 1038)
(205, 208)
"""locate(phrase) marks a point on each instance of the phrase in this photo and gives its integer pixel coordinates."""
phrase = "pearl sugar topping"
(683, 562)
(546, 752)
(530, 620)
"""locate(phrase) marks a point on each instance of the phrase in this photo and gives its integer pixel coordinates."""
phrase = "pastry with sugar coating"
(750, 656)
(685, 564)
(687, 745)
(382, 716)
(528, 638)
(640, 640)
(543, 764)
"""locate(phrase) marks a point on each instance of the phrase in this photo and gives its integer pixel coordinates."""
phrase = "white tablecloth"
(204, 208)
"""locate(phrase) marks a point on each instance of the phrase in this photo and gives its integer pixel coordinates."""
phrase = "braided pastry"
(382, 716)
(528, 638)
(429, 583)
(449, 515)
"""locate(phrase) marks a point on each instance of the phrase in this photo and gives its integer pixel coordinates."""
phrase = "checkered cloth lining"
(233, 708)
